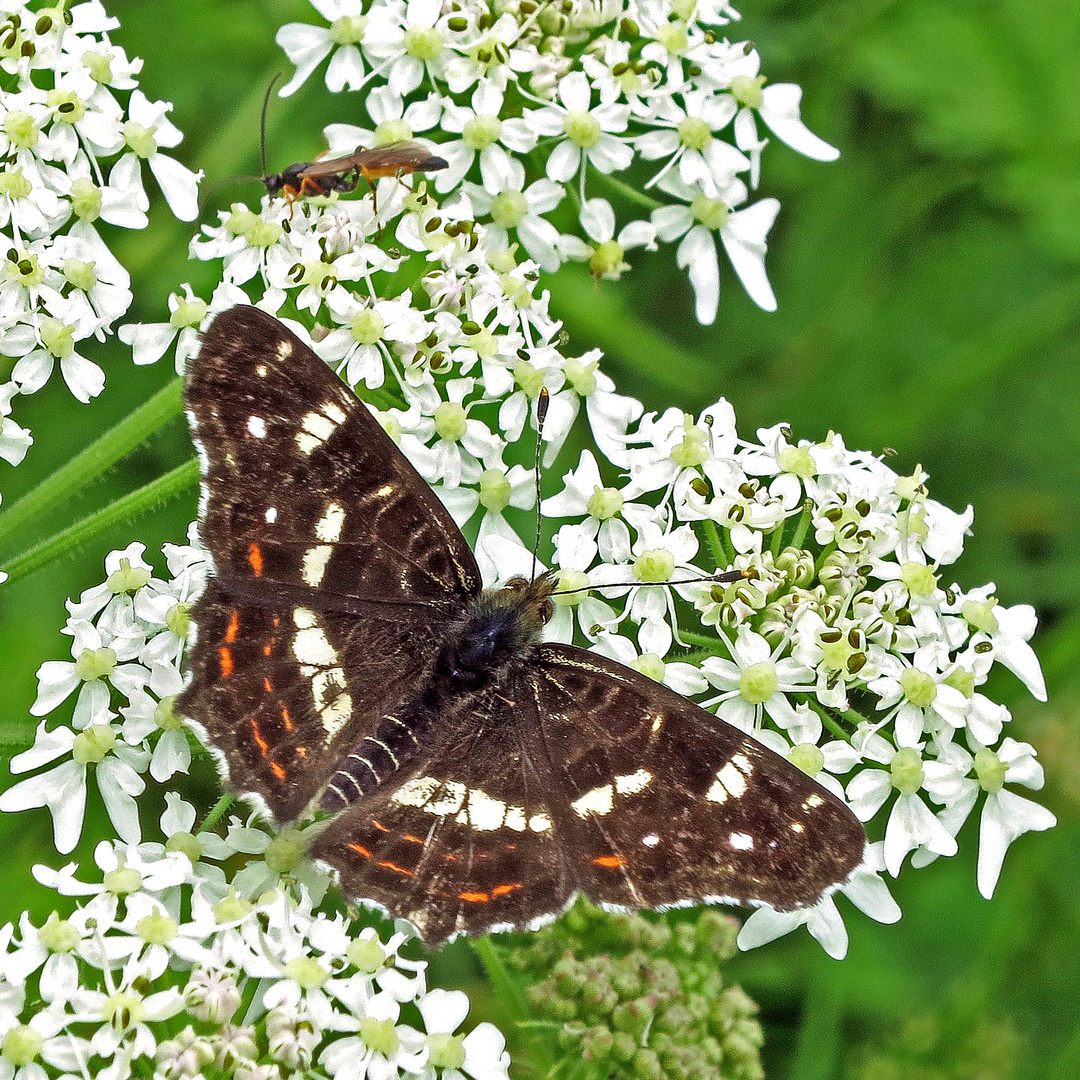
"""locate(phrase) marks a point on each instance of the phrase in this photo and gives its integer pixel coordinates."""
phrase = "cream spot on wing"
(335, 412)
(651, 840)
(260, 370)
(797, 827)
(256, 426)
(468, 806)
(313, 567)
(315, 429)
(812, 802)
(385, 490)
(730, 782)
(319, 665)
(271, 515)
(601, 800)
(741, 841)
(328, 527)
(284, 349)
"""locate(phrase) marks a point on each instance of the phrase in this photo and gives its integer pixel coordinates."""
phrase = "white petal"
(1005, 817)
(744, 241)
(780, 111)
(179, 185)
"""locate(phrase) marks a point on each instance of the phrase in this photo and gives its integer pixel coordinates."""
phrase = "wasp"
(327, 175)
(344, 173)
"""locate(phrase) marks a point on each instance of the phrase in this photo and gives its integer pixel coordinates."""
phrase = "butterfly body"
(348, 661)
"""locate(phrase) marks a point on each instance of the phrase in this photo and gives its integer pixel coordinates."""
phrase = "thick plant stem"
(173, 483)
(72, 478)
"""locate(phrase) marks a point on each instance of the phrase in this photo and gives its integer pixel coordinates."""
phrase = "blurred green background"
(929, 283)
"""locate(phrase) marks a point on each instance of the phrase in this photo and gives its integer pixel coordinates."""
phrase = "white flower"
(148, 129)
(757, 678)
(742, 232)
(307, 46)
(481, 1054)
(587, 132)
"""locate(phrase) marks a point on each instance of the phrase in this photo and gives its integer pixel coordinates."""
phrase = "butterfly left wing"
(582, 775)
(306, 500)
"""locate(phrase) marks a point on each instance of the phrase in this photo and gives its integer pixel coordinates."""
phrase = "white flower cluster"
(71, 155)
(550, 102)
(842, 651)
(165, 967)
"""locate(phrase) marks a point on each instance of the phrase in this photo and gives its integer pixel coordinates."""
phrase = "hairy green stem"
(173, 483)
(511, 999)
(72, 478)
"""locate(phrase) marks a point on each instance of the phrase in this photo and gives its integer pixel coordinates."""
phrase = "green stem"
(628, 191)
(513, 1000)
(72, 478)
(802, 527)
(129, 506)
(714, 646)
(218, 812)
(717, 548)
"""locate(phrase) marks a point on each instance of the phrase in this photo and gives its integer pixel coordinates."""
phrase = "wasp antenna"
(262, 121)
(541, 412)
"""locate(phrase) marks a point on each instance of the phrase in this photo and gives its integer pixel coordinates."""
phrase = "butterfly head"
(499, 628)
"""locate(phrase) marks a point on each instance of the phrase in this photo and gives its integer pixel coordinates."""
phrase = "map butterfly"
(348, 662)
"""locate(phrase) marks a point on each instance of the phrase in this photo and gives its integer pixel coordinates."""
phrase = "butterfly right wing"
(305, 498)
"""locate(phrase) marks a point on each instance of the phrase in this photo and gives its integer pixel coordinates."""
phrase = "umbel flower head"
(842, 649)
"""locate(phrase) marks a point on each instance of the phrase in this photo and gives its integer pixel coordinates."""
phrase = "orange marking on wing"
(260, 742)
(412, 839)
(286, 717)
(301, 751)
(502, 890)
(277, 770)
(277, 621)
(397, 869)
(225, 657)
(268, 648)
(360, 850)
(268, 686)
(449, 858)
(474, 897)
(381, 827)
(233, 629)
(255, 559)
(612, 862)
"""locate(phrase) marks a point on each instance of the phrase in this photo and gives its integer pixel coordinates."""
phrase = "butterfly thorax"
(498, 628)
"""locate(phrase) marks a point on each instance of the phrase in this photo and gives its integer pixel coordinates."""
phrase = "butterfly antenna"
(262, 121)
(541, 412)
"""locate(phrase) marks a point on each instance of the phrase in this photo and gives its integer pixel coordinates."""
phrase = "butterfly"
(348, 662)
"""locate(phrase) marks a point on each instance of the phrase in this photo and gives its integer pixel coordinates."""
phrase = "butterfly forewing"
(305, 496)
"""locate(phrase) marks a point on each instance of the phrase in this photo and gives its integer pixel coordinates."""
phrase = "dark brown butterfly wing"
(334, 563)
(305, 498)
(582, 775)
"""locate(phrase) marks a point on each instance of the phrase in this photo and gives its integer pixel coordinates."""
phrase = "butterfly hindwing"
(581, 775)
(664, 803)
(305, 496)
(285, 693)
(465, 842)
